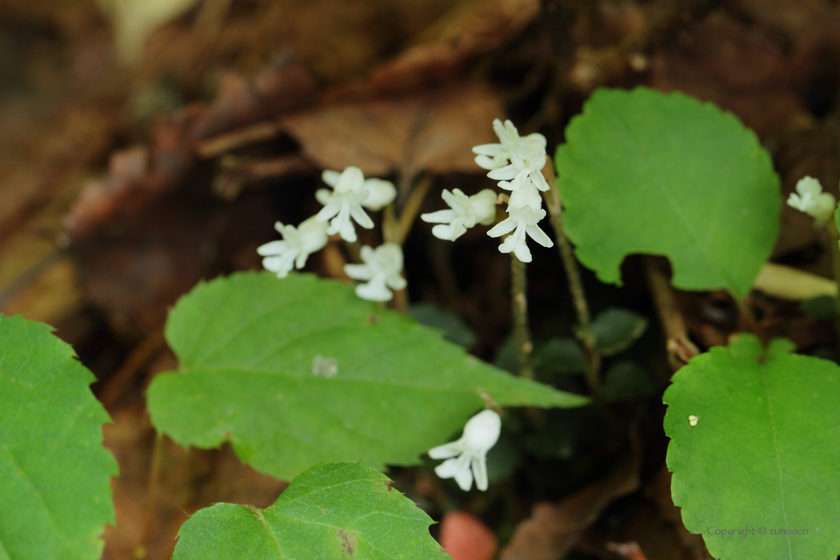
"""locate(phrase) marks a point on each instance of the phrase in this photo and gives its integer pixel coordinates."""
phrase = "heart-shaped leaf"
(55, 494)
(338, 510)
(755, 451)
(300, 371)
(664, 174)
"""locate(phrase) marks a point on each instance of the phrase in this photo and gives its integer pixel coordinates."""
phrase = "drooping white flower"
(812, 200)
(381, 270)
(521, 221)
(467, 458)
(465, 211)
(515, 161)
(344, 202)
(297, 244)
(381, 193)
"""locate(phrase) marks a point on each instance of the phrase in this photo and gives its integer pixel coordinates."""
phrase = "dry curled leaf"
(432, 132)
(553, 529)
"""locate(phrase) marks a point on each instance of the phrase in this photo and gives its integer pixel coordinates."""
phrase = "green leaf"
(456, 329)
(300, 371)
(763, 451)
(559, 356)
(617, 329)
(338, 510)
(55, 494)
(626, 380)
(664, 174)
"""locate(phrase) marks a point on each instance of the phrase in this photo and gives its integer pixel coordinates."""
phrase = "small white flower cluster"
(517, 163)
(346, 204)
(810, 198)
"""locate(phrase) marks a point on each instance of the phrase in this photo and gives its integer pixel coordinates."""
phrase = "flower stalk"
(519, 306)
(587, 336)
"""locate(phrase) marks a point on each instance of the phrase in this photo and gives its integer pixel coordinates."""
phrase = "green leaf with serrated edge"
(251, 347)
(664, 174)
(455, 329)
(55, 495)
(337, 510)
(617, 329)
(763, 452)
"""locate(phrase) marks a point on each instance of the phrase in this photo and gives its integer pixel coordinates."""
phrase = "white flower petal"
(447, 450)
(504, 173)
(380, 194)
(538, 235)
(479, 471)
(330, 177)
(272, 248)
(375, 290)
(439, 217)
(503, 227)
(489, 150)
(357, 271)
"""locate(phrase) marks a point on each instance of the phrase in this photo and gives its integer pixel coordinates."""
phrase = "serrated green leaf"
(338, 510)
(252, 351)
(55, 494)
(617, 329)
(762, 452)
(456, 329)
(664, 174)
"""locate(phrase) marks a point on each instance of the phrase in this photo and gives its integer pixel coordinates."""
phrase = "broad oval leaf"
(664, 174)
(300, 371)
(55, 494)
(755, 448)
(337, 510)
(617, 329)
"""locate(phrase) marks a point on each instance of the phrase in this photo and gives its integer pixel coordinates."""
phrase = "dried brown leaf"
(553, 529)
(429, 132)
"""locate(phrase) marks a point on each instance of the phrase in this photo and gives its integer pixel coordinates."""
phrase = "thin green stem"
(519, 304)
(587, 336)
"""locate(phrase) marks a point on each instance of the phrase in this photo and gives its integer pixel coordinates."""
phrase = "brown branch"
(519, 306)
(587, 336)
(677, 343)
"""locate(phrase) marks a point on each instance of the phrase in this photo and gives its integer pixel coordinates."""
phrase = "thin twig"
(679, 346)
(154, 487)
(519, 304)
(587, 336)
(412, 208)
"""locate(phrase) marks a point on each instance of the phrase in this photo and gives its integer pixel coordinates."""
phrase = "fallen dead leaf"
(468, 30)
(432, 132)
(553, 529)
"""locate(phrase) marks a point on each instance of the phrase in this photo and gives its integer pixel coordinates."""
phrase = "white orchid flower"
(521, 221)
(297, 244)
(465, 211)
(813, 201)
(381, 193)
(344, 202)
(467, 458)
(515, 161)
(381, 270)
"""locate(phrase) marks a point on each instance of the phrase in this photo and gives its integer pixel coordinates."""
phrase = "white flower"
(521, 221)
(467, 457)
(345, 202)
(465, 211)
(381, 193)
(516, 161)
(298, 243)
(381, 270)
(812, 200)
